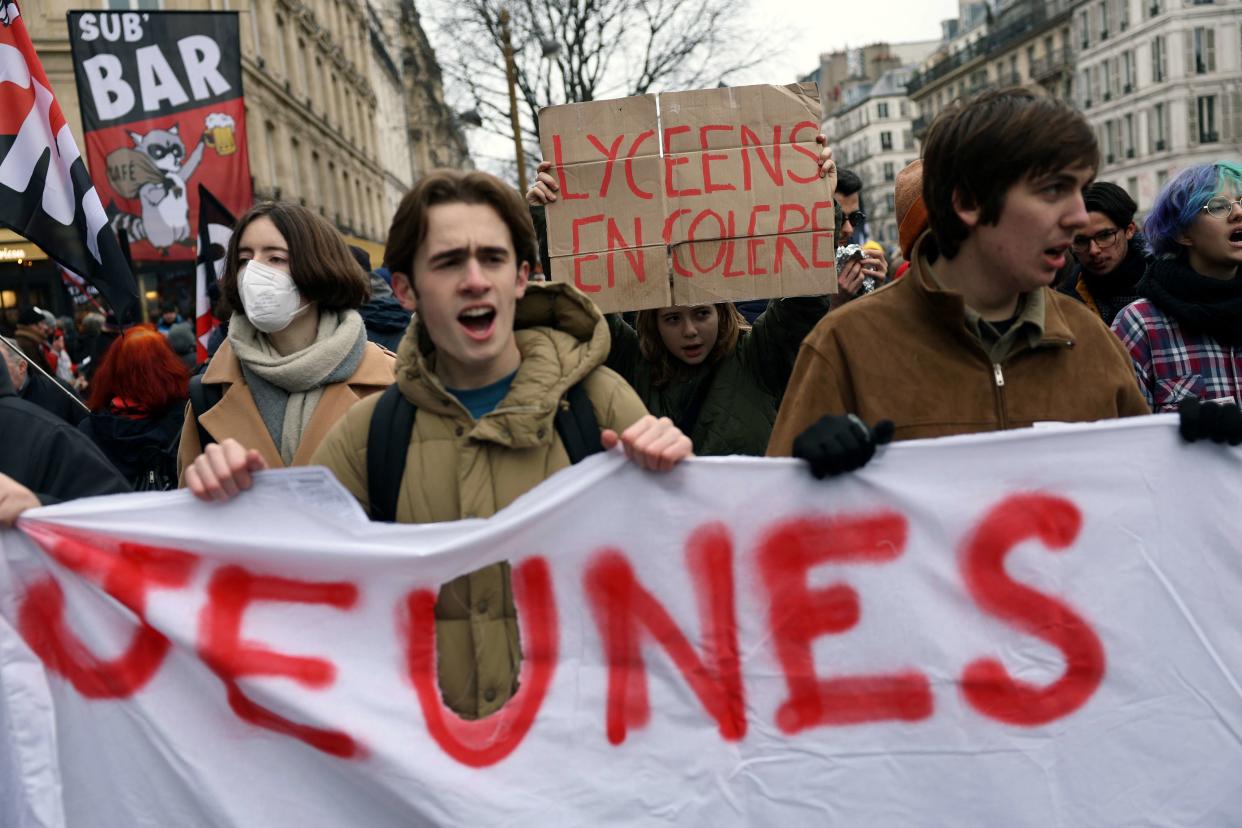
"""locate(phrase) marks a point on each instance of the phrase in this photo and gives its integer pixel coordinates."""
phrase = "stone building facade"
(343, 111)
(1161, 82)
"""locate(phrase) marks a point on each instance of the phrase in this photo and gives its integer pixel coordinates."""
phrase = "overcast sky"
(802, 32)
(844, 25)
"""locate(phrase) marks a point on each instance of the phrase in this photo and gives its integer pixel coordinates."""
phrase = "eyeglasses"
(1103, 240)
(1221, 207)
(856, 218)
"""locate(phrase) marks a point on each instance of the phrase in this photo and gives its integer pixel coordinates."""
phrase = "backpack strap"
(202, 398)
(388, 442)
(577, 425)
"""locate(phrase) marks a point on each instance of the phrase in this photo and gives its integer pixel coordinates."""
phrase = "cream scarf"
(286, 389)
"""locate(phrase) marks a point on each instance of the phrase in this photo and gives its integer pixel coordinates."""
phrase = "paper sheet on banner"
(1153, 570)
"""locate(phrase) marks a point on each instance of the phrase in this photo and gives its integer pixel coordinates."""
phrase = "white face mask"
(269, 297)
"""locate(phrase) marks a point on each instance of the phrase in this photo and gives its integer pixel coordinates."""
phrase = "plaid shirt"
(1173, 364)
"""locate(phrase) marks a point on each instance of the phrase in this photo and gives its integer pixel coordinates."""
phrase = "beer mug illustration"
(220, 133)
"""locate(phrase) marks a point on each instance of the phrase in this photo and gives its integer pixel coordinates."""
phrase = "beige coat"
(458, 467)
(237, 416)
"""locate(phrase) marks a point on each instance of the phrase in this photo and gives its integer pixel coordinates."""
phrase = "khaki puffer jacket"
(458, 467)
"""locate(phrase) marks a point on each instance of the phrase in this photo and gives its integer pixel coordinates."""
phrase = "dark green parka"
(739, 409)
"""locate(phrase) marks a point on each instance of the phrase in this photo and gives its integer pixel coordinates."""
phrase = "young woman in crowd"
(137, 401)
(1185, 333)
(297, 355)
(717, 378)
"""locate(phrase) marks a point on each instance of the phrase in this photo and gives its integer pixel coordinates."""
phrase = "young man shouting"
(972, 339)
(487, 362)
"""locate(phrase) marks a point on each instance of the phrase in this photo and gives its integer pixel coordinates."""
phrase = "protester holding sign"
(297, 355)
(973, 338)
(1184, 334)
(702, 366)
(487, 374)
(717, 378)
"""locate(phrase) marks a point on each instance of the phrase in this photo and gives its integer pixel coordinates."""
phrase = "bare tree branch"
(606, 48)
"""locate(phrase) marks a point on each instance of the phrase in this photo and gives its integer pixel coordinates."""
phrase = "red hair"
(142, 370)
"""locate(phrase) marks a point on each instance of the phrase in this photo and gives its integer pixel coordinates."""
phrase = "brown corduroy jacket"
(908, 353)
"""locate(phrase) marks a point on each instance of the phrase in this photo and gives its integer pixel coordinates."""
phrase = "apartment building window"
(1096, 87)
(1128, 74)
(1159, 60)
(269, 142)
(317, 180)
(1110, 142)
(1030, 61)
(1132, 187)
(1123, 15)
(1162, 178)
(303, 69)
(907, 139)
(890, 172)
(1205, 50)
(1207, 119)
(1157, 127)
(283, 59)
(890, 201)
(904, 109)
(1129, 135)
(1112, 74)
(1084, 27)
(1153, 7)
(1013, 69)
(881, 109)
(295, 181)
(886, 140)
(1084, 89)
(1104, 20)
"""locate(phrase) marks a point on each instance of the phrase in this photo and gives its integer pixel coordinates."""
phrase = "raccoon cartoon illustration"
(156, 171)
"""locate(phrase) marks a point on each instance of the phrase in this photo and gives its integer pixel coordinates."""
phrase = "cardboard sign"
(163, 111)
(1050, 640)
(690, 198)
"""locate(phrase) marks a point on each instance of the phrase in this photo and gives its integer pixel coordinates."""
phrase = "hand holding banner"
(1054, 644)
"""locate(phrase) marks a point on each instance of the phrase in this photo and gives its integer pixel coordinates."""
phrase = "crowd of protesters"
(447, 383)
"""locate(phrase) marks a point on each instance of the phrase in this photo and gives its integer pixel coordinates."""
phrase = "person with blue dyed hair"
(1184, 334)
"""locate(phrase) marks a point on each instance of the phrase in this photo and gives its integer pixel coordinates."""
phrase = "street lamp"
(506, 42)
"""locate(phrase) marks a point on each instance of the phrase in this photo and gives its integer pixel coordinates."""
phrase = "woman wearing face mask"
(297, 355)
(1185, 334)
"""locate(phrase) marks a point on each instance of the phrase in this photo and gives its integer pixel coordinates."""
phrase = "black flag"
(215, 228)
(46, 193)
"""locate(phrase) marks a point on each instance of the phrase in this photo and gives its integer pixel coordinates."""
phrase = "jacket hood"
(385, 314)
(125, 432)
(562, 337)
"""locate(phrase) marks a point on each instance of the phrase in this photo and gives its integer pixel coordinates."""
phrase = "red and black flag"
(215, 228)
(46, 193)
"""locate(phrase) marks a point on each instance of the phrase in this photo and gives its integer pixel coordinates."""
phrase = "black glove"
(840, 443)
(1218, 422)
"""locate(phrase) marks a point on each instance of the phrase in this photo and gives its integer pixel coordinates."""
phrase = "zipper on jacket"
(998, 377)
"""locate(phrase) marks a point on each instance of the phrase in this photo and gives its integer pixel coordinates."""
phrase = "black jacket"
(1108, 295)
(125, 441)
(53, 397)
(48, 456)
(385, 321)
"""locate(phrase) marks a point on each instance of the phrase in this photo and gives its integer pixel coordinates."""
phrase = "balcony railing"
(1060, 60)
(993, 42)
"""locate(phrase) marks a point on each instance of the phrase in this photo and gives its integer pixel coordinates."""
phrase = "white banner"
(1034, 628)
